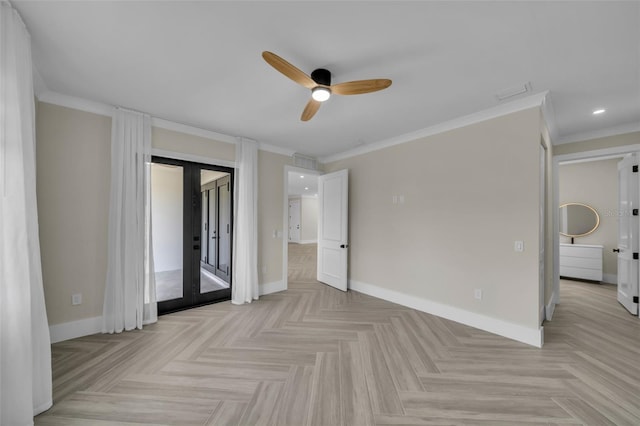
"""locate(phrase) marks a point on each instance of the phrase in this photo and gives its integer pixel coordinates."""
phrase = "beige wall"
(73, 179)
(596, 184)
(170, 140)
(73, 149)
(469, 194)
(309, 219)
(270, 214)
(599, 143)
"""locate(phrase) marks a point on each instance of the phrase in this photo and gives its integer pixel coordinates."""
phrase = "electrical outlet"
(518, 246)
(477, 293)
(76, 299)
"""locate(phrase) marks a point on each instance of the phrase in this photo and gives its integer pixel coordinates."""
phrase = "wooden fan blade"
(289, 70)
(361, 86)
(310, 110)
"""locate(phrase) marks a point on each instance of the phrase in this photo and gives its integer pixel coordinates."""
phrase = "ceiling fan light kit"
(320, 93)
(320, 84)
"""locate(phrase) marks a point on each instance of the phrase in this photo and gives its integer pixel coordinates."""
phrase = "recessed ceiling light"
(306, 188)
(301, 176)
(598, 111)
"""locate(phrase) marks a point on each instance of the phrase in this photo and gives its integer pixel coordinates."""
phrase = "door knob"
(344, 245)
(616, 250)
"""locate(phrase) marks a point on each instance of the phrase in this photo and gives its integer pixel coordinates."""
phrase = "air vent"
(513, 91)
(305, 162)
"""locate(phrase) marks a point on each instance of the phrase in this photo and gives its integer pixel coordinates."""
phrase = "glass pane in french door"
(215, 231)
(167, 195)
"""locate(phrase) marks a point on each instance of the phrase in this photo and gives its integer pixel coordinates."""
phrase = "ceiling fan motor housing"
(321, 76)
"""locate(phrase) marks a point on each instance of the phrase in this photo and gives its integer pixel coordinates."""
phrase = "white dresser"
(581, 261)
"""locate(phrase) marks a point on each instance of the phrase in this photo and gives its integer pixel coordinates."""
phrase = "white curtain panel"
(130, 291)
(245, 224)
(25, 347)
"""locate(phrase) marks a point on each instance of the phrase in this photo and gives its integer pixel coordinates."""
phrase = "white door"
(294, 221)
(333, 229)
(628, 233)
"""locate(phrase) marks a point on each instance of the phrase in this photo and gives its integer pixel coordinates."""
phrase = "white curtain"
(245, 224)
(25, 347)
(130, 291)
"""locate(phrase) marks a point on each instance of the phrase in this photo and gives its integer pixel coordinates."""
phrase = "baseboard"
(88, 326)
(73, 329)
(307, 241)
(272, 287)
(530, 336)
(550, 308)
(610, 278)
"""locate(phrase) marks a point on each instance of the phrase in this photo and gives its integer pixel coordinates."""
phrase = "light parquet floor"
(316, 356)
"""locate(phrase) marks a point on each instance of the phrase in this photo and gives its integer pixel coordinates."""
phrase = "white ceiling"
(302, 184)
(199, 63)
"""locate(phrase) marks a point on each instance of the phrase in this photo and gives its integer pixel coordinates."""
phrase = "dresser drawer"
(581, 261)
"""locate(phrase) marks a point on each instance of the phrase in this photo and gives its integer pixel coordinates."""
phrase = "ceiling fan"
(320, 84)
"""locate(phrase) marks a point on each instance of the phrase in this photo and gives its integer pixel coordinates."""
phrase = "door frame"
(585, 156)
(285, 219)
(223, 165)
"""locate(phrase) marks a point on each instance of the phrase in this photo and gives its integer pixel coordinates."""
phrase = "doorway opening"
(299, 241)
(192, 228)
(302, 230)
(332, 261)
(591, 182)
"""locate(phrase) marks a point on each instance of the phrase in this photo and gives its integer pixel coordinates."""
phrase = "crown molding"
(549, 116)
(191, 130)
(39, 86)
(100, 108)
(73, 102)
(600, 133)
(497, 111)
(276, 149)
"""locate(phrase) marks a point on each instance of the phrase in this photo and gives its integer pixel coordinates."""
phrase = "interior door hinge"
(635, 169)
(635, 256)
(635, 299)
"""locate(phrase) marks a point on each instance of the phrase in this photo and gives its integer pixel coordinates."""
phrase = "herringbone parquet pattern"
(316, 356)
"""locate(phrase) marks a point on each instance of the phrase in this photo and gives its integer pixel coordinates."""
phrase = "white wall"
(167, 211)
(309, 219)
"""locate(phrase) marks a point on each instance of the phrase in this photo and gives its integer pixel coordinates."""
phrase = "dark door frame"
(191, 235)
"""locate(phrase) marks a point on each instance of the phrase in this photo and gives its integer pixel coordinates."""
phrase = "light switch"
(518, 246)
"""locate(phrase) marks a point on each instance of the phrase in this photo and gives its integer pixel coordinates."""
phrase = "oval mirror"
(578, 220)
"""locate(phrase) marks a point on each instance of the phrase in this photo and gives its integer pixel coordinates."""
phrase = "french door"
(628, 228)
(192, 233)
